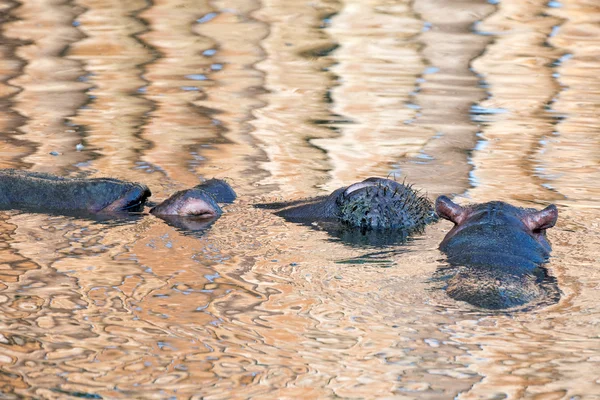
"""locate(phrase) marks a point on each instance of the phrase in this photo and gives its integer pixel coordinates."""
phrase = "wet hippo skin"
(373, 204)
(496, 252)
(45, 192)
(196, 208)
(41, 192)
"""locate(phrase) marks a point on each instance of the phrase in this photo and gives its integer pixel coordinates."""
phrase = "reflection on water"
(288, 99)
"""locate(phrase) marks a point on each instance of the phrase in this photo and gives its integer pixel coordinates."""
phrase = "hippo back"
(496, 253)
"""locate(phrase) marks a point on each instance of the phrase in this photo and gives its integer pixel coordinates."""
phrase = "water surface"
(287, 99)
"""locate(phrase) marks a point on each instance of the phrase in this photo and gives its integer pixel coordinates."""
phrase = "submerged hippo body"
(496, 252)
(40, 192)
(376, 204)
(44, 192)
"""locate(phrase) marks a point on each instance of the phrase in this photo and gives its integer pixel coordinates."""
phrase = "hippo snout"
(193, 202)
(132, 200)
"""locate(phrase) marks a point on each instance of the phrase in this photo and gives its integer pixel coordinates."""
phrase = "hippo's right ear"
(446, 209)
(540, 220)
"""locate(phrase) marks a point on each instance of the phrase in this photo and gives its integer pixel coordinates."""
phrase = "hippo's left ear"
(540, 220)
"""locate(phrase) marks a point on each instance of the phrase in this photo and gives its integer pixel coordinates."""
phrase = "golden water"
(286, 99)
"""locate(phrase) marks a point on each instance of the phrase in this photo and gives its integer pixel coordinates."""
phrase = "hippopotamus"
(35, 191)
(375, 204)
(40, 191)
(496, 252)
(196, 208)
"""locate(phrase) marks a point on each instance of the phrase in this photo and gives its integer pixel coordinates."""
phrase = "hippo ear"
(446, 209)
(540, 220)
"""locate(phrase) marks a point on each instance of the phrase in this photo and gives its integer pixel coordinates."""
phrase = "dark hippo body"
(40, 192)
(496, 252)
(44, 192)
(374, 204)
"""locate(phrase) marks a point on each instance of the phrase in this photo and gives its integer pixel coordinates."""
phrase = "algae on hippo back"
(377, 203)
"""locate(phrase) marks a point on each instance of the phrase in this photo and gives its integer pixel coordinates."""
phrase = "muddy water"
(286, 99)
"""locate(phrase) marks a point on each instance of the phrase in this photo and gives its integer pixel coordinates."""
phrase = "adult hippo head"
(496, 252)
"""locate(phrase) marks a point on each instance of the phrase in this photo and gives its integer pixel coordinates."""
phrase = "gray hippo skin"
(46, 193)
(373, 204)
(496, 252)
(197, 208)
(42, 192)
(200, 201)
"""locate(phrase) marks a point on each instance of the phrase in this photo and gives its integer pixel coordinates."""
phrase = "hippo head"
(193, 202)
(378, 203)
(498, 216)
(496, 252)
(113, 196)
(195, 209)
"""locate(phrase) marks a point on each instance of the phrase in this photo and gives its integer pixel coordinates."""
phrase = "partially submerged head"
(199, 202)
(378, 203)
(498, 216)
(112, 196)
(189, 203)
(495, 253)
